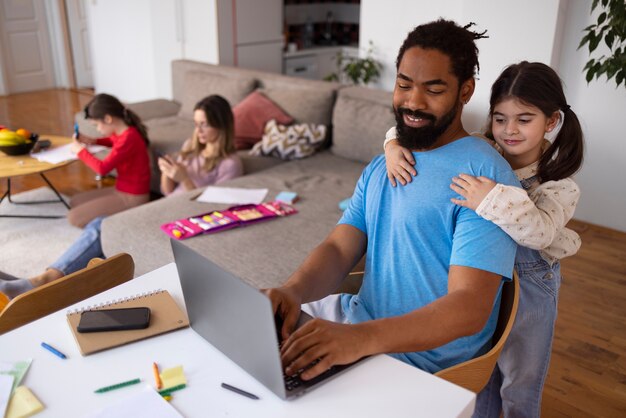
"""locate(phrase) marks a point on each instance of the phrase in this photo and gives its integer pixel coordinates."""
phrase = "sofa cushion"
(290, 142)
(306, 105)
(168, 134)
(157, 108)
(253, 163)
(361, 118)
(199, 84)
(251, 115)
(263, 254)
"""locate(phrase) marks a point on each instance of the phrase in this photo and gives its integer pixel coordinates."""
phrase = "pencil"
(157, 377)
(239, 391)
(118, 386)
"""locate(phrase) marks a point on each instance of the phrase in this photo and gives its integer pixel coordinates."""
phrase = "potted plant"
(610, 27)
(356, 70)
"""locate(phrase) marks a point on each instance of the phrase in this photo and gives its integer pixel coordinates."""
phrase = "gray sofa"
(263, 254)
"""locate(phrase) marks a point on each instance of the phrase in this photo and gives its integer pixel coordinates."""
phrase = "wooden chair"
(475, 373)
(97, 277)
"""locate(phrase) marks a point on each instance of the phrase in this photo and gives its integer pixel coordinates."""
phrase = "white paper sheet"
(59, 154)
(146, 403)
(232, 195)
(6, 386)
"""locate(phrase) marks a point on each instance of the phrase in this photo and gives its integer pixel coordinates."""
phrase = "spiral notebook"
(165, 316)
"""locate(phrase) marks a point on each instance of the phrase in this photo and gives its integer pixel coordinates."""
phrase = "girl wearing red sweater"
(124, 132)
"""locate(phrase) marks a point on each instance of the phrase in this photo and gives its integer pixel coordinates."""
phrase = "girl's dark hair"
(105, 104)
(536, 84)
(451, 39)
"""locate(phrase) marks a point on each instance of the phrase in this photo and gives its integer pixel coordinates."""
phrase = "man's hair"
(451, 39)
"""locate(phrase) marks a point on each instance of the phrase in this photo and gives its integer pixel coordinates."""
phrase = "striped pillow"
(290, 142)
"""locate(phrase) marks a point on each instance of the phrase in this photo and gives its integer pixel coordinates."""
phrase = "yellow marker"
(167, 397)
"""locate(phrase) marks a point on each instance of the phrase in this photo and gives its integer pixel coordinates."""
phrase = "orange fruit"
(24, 132)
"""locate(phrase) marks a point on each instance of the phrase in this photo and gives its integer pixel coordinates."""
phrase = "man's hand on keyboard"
(329, 342)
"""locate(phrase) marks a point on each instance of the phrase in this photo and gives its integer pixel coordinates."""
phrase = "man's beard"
(426, 136)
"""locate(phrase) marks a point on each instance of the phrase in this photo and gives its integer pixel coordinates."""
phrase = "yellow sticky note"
(23, 403)
(173, 377)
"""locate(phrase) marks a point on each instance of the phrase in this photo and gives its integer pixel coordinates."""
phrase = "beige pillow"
(199, 84)
(290, 142)
(304, 105)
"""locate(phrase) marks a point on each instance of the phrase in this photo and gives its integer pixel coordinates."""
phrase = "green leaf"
(611, 70)
(584, 40)
(609, 39)
(593, 5)
(589, 64)
(589, 76)
(594, 42)
(619, 78)
(601, 18)
(604, 3)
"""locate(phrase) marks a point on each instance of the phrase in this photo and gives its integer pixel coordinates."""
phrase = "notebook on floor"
(238, 320)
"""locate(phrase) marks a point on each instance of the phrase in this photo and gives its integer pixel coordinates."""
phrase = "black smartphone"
(114, 319)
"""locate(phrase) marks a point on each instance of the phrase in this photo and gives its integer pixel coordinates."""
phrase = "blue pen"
(76, 130)
(53, 350)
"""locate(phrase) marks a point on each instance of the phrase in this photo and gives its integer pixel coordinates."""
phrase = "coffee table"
(21, 165)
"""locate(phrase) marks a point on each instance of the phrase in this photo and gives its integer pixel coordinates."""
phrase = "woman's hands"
(172, 169)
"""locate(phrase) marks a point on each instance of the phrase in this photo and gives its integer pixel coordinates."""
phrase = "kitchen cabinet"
(315, 63)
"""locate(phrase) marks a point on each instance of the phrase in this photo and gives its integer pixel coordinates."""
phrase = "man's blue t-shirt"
(414, 233)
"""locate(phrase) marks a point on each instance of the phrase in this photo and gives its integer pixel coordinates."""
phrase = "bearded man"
(433, 269)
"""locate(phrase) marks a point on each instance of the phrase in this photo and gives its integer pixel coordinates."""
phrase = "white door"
(79, 39)
(25, 46)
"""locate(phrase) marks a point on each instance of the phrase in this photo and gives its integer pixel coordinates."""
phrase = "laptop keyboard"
(294, 381)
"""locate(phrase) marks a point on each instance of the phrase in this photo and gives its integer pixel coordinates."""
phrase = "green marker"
(168, 391)
(117, 386)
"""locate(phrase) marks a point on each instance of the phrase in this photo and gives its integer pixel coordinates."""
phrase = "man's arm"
(321, 273)
(462, 312)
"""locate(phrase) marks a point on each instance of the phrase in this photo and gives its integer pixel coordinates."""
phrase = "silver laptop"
(238, 320)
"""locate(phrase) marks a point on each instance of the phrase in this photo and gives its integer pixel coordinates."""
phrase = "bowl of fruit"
(17, 142)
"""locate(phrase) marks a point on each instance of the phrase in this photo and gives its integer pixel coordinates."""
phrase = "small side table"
(21, 165)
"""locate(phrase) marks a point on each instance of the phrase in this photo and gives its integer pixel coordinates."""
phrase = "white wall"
(134, 42)
(601, 107)
(388, 23)
(534, 30)
(123, 55)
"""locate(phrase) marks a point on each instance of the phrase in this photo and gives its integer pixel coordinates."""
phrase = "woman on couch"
(207, 158)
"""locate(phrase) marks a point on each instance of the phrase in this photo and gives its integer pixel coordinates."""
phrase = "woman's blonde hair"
(219, 116)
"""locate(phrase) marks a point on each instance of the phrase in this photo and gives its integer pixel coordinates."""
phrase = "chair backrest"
(475, 373)
(43, 300)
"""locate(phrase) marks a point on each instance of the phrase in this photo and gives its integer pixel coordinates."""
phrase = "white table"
(379, 386)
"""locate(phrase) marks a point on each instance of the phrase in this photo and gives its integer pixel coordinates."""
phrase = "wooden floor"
(587, 376)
